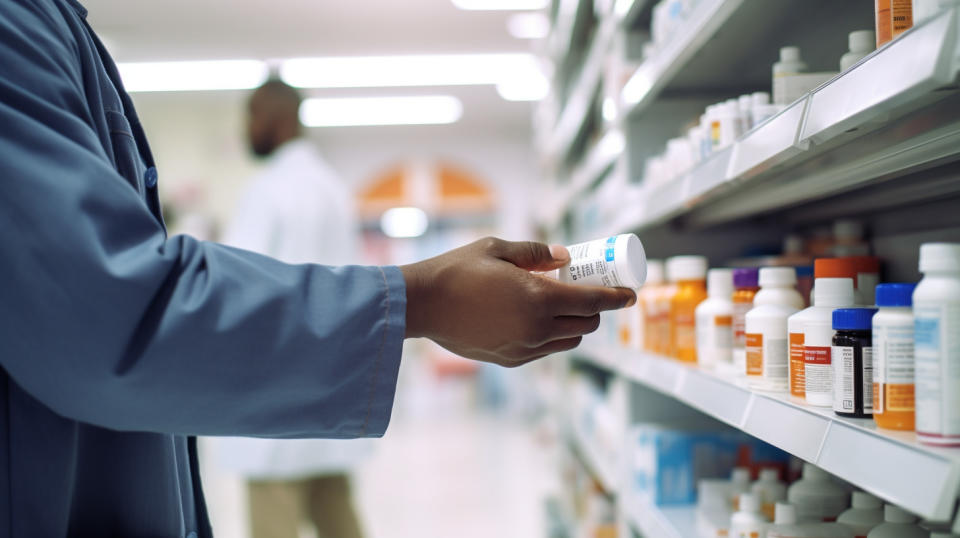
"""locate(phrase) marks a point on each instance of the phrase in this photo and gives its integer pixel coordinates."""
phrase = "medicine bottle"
(739, 484)
(770, 490)
(790, 64)
(654, 321)
(614, 262)
(745, 287)
(866, 278)
(748, 521)
(865, 513)
(893, 362)
(898, 523)
(852, 359)
(767, 351)
(817, 496)
(713, 507)
(884, 22)
(715, 320)
(936, 311)
(901, 12)
(690, 273)
(861, 43)
(786, 524)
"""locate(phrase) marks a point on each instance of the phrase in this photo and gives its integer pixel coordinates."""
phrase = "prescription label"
(754, 347)
(797, 385)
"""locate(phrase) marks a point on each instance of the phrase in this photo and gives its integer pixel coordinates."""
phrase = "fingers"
(571, 326)
(556, 346)
(571, 300)
(530, 255)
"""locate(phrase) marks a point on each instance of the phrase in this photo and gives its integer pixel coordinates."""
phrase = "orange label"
(723, 321)
(902, 16)
(879, 400)
(754, 354)
(884, 22)
(900, 397)
(798, 386)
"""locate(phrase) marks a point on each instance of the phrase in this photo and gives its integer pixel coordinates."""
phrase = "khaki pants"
(277, 508)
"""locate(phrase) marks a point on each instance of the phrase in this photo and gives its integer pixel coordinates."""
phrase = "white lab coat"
(299, 211)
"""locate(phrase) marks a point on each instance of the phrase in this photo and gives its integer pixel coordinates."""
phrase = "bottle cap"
(865, 264)
(864, 501)
(939, 257)
(833, 292)
(789, 54)
(720, 283)
(834, 268)
(740, 475)
(777, 276)
(862, 41)
(895, 514)
(847, 229)
(749, 502)
(687, 268)
(785, 514)
(899, 294)
(759, 98)
(746, 277)
(853, 319)
(769, 475)
(654, 272)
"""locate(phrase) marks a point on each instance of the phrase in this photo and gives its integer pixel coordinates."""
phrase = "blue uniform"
(118, 343)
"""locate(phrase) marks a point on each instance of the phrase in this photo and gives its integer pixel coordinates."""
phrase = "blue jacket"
(118, 343)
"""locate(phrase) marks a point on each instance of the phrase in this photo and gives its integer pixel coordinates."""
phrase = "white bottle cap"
(862, 41)
(631, 260)
(833, 292)
(654, 272)
(790, 54)
(939, 257)
(760, 98)
(741, 475)
(864, 501)
(812, 472)
(713, 492)
(749, 502)
(785, 514)
(895, 514)
(720, 283)
(687, 268)
(769, 475)
(777, 276)
(745, 101)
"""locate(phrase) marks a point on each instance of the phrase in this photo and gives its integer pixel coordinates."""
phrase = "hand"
(481, 301)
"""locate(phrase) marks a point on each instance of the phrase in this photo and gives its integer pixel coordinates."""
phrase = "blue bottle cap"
(900, 294)
(853, 319)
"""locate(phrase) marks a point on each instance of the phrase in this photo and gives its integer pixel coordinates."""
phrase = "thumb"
(533, 256)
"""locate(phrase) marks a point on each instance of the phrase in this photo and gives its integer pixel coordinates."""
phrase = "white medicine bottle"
(817, 496)
(865, 513)
(714, 319)
(615, 262)
(749, 521)
(898, 523)
(770, 490)
(861, 43)
(786, 524)
(767, 349)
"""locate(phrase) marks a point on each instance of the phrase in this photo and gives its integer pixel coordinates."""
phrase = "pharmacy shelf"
(601, 468)
(891, 465)
(661, 521)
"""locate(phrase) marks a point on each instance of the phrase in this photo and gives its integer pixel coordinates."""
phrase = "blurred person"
(298, 211)
(119, 344)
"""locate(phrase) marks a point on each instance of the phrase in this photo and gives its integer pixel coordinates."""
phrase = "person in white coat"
(299, 211)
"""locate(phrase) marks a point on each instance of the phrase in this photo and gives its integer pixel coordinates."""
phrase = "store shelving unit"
(880, 140)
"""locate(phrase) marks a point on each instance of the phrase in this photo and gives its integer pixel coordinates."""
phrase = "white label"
(593, 264)
(893, 363)
(843, 380)
(867, 380)
(775, 354)
(937, 352)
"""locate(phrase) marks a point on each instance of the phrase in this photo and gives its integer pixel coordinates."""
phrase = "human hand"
(481, 301)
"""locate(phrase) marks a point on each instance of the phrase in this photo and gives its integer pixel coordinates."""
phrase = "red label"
(816, 355)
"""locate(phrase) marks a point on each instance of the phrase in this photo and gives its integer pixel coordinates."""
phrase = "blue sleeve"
(106, 321)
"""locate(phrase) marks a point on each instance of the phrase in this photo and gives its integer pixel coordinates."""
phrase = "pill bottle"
(767, 350)
(761, 109)
(867, 276)
(790, 64)
(748, 521)
(862, 43)
(744, 104)
(865, 513)
(833, 288)
(715, 320)
(884, 22)
(652, 321)
(817, 362)
(739, 484)
(936, 311)
(817, 496)
(786, 524)
(898, 523)
(745, 287)
(770, 490)
(713, 507)
(664, 337)
(852, 359)
(690, 273)
(893, 371)
(901, 12)
(616, 262)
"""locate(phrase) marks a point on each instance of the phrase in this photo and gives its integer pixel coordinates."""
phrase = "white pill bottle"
(617, 261)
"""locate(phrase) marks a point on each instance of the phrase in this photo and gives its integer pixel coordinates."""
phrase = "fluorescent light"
(414, 70)
(528, 25)
(404, 222)
(532, 86)
(500, 5)
(350, 111)
(191, 76)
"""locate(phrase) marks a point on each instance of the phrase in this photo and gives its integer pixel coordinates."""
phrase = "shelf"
(662, 522)
(891, 465)
(602, 469)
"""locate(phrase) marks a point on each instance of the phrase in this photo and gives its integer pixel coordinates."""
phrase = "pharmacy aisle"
(791, 367)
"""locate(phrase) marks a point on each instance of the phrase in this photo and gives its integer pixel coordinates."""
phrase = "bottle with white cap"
(739, 484)
(715, 320)
(817, 496)
(865, 513)
(790, 64)
(617, 261)
(713, 507)
(787, 525)
(761, 108)
(690, 274)
(936, 312)
(898, 523)
(862, 43)
(651, 327)
(770, 490)
(749, 521)
(767, 349)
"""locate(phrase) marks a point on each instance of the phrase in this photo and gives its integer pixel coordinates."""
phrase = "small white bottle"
(767, 348)
(749, 521)
(615, 261)
(786, 524)
(816, 496)
(936, 312)
(790, 64)
(715, 320)
(739, 484)
(862, 43)
(898, 523)
(770, 490)
(893, 362)
(713, 507)
(761, 109)
(828, 294)
(865, 513)
(744, 104)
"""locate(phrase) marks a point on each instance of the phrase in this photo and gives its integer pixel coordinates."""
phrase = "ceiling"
(147, 30)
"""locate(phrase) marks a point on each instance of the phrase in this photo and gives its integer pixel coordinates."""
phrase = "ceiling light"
(414, 70)
(528, 25)
(358, 111)
(404, 222)
(192, 76)
(500, 5)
